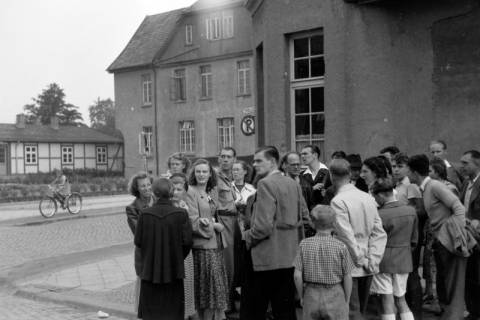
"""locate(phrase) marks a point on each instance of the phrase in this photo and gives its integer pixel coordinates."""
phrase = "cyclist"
(60, 187)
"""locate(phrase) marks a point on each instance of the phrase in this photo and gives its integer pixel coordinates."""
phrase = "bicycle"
(48, 204)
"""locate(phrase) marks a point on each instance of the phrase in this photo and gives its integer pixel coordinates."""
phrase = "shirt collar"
(320, 166)
(424, 183)
(447, 164)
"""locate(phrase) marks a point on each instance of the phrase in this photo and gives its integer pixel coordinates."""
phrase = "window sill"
(180, 101)
(244, 95)
(146, 106)
(205, 98)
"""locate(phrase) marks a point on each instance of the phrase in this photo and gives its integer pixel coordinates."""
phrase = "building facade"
(33, 148)
(361, 75)
(194, 90)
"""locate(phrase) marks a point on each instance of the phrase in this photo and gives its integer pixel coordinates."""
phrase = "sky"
(68, 42)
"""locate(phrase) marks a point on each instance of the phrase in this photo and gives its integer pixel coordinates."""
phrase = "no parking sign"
(248, 125)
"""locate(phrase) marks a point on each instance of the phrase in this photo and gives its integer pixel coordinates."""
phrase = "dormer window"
(188, 34)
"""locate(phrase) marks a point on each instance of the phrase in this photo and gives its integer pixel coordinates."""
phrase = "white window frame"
(179, 85)
(243, 78)
(145, 143)
(225, 132)
(304, 83)
(101, 154)
(147, 89)
(188, 34)
(227, 26)
(206, 81)
(66, 152)
(187, 136)
(213, 28)
(309, 57)
(31, 154)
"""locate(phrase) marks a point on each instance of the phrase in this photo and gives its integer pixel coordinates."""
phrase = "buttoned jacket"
(276, 227)
(133, 212)
(400, 223)
(359, 226)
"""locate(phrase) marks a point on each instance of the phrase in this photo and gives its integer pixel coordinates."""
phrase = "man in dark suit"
(470, 197)
(275, 233)
(315, 176)
(438, 149)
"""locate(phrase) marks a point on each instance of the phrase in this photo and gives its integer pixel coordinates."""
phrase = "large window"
(187, 136)
(147, 89)
(243, 77)
(206, 81)
(146, 141)
(30, 154)
(101, 155)
(227, 26)
(219, 26)
(67, 154)
(188, 34)
(308, 60)
(178, 89)
(307, 91)
(225, 133)
(213, 28)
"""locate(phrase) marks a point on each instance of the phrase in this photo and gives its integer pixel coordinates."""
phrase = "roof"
(150, 38)
(45, 133)
(209, 4)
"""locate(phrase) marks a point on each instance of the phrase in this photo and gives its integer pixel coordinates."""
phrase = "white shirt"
(308, 171)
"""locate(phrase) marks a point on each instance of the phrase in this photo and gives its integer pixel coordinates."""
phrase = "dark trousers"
(161, 301)
(359, 297)
(472, 284)
(414, 295)
(263, 287)
(450, 281)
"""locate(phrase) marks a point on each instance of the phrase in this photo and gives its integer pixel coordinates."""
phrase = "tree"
(102, 114)
(51, 102)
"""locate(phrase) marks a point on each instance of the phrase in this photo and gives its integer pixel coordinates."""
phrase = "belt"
(227, 213)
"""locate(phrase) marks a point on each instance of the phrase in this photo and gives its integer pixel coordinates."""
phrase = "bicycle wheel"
(48, 207)
(74, 203)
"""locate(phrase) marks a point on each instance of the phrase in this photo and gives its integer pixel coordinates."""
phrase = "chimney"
(54, 122)
(20, 121)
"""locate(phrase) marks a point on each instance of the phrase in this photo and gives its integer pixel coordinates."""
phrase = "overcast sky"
(68, 42)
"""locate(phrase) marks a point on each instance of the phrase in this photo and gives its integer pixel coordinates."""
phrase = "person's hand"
(218, 227)
(204, 222)
(318, 186)
(475, 223)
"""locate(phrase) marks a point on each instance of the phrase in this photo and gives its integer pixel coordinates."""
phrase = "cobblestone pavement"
(17, 308)
(27, 243)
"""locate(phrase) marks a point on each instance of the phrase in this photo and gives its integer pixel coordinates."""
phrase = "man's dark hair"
(270, 152)
(419, 163)
(382, 186)
(475, 154)
(229, 149)
(442, 142)
(162, 188)
(386, 163)
(355, 161)
(340, 154)
(314, 149)
(390, 149)
(440, 168)
(400, 158)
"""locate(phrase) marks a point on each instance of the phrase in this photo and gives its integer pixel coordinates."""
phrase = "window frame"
(206, 78)
(34, 153)
(179, 85)
(146, 134)
(103, 154)
(292, 58)
(147, 89)
(225, 132)
(247, 79)
(68, 153)
(227, 26)
(188, 34)
(187, 147)
(213, 28)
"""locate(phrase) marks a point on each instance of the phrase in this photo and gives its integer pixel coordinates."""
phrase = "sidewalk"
(18, 210)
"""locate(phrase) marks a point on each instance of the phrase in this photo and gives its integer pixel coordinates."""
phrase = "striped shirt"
(322, 259)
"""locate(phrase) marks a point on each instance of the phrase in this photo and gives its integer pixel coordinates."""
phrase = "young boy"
(323, 270)
(400, 223)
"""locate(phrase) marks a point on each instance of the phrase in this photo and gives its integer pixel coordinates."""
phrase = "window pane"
(316, 45)
(301, 101)
(317, 99)
(301, 69)
(302, 127)
(318, 125)
(300, 47)
(318, 67)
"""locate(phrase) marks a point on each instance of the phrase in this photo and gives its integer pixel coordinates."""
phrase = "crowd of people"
(337, 241)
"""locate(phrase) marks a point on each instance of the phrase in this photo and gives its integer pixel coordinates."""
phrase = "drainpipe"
(155, 125)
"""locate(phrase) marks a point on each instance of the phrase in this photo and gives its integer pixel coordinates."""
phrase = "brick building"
(185, 79)
(360, 75)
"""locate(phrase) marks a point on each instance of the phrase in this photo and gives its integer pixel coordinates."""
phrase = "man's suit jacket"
(400, 224)
(276, 224)
(473, 210)
(314, 197)
(454, 176)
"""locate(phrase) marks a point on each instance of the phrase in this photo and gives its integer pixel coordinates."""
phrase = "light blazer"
(359, 226)
(400, 224)
(276, 223)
